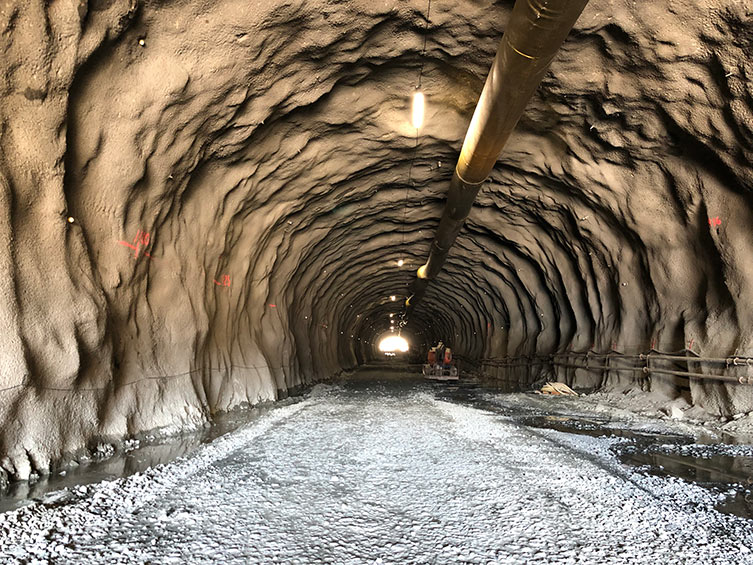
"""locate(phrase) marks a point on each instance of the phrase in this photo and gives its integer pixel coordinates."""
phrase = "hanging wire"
(423, 49)
(415, 145)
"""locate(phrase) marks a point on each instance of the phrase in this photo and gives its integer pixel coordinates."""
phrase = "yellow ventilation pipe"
(533, 36)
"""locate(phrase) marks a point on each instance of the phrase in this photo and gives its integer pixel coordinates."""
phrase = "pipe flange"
(646, 370)
(735, 361)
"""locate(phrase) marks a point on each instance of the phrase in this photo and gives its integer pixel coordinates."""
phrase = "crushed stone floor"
(382, 473)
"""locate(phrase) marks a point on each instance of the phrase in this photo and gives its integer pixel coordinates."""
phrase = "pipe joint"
(465, 166)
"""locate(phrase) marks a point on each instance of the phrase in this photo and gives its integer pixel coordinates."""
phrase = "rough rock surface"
(240, 179)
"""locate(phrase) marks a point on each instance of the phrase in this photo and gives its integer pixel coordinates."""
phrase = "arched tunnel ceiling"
(242, 178)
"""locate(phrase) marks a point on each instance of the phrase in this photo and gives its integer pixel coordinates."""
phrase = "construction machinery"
(440, 366)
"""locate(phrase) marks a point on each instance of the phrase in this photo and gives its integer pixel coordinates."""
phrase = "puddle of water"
(123, 463)
(720, 473)
(599, 428)
(689, 458)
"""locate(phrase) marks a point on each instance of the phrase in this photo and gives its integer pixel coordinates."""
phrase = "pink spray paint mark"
(225, 281)
(142, 239)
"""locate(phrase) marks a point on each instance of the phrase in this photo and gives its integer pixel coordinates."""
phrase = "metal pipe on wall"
(531, 360)
(533, 36)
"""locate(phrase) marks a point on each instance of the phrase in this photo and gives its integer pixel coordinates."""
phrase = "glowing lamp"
(418, 110)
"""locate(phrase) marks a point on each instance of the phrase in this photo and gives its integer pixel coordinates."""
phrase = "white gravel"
(382, 476)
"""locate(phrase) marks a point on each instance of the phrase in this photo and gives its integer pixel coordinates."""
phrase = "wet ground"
(398, 470)
(725, 468)
(132, 457)
(690, 458)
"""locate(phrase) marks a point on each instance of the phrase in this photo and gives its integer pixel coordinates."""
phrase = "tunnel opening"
(393, 344)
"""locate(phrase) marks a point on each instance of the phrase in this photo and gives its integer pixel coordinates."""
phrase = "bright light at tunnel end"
(418, 110)
(393, 343)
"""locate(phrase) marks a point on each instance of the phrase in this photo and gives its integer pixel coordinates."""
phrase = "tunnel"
(209, 206)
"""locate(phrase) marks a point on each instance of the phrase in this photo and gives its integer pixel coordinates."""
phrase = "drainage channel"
(725, 467)
(122, 459)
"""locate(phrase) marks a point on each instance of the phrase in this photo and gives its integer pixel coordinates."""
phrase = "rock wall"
(204, 202)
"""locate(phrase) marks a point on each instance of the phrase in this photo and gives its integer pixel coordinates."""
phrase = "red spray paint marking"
(614, 345)
(225, 281)
(653, 343)
(715, 222)
(273, 305)
(142, 238)
(690, 345)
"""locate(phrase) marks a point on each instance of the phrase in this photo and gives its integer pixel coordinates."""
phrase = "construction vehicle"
(440, 366)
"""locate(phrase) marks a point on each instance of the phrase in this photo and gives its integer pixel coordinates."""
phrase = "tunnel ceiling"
(205, 201)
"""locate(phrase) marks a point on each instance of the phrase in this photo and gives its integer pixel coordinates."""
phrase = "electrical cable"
(409, 185)
(415, 146)
(681, 356)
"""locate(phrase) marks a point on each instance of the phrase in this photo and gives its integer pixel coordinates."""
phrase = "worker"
(440, 354)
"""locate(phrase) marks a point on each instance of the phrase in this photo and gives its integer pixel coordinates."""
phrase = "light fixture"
(391, 315)
(393, 298)
(400, 262)
(418, 110)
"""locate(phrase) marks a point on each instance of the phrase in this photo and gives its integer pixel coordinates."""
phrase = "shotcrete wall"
(204, 202)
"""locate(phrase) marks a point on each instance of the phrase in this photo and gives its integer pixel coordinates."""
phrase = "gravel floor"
(379, 473)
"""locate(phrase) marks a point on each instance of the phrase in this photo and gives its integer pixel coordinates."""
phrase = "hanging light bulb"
(400, 262)
(393, 298)
(418, 110)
